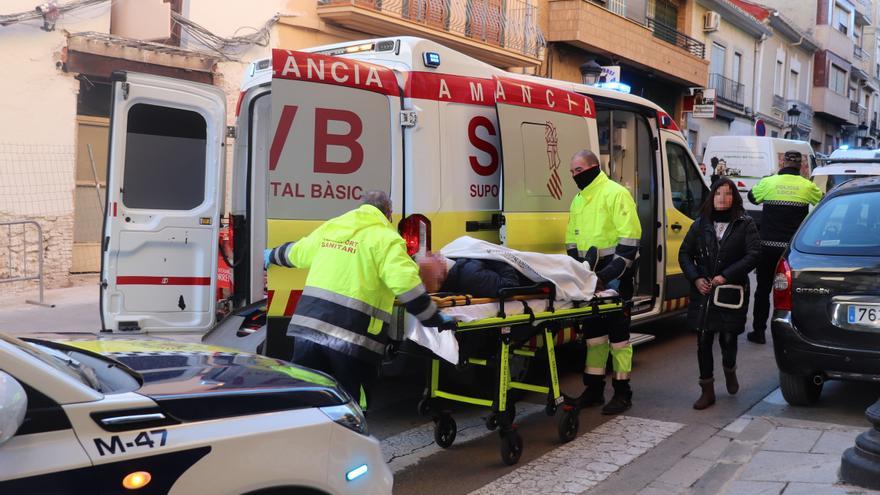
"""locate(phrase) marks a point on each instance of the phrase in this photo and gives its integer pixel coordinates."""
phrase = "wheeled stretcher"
(521, 325)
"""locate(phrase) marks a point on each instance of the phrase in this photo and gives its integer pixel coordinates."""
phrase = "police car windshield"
(56, 360)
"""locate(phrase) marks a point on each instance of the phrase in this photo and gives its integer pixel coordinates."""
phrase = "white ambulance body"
(463, 147)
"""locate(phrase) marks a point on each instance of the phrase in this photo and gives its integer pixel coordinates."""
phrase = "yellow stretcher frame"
(546, 323)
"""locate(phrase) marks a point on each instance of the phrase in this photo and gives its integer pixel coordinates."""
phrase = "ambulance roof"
(405, 53)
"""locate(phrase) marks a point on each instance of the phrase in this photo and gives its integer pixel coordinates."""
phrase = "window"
(778, 81)
(793, 82)
(735, 74)
(841, 18)
(716, 63)
(688, 189)
(837, 80)
(165, 150)
(845, 225)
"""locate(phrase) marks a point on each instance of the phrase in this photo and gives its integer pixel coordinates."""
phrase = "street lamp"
(862, 134)
(590, 72)
(793, 116)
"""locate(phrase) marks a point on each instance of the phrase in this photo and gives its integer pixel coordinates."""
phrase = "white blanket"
(574, 281)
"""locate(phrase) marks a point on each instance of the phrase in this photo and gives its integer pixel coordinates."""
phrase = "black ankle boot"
(756, 337)
(622, 399)
(593, 394)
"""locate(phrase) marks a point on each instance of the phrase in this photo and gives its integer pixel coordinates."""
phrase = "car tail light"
(782, 286)
(416, 231)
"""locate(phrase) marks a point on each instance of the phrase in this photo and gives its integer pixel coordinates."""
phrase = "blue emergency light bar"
(431, 59)
(614, 86)
(356, 472)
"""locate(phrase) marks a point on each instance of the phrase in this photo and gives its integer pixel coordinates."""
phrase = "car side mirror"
(13, 405)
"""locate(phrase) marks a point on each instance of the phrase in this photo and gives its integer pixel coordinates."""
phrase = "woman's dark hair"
(736, 208)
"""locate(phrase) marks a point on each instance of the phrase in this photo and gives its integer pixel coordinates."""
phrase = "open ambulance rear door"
(336, 133)
(164, 194)
(541, 128)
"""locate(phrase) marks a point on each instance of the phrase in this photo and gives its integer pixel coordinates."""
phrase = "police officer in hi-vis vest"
(604, 229)
(786, 197)
(357, 265)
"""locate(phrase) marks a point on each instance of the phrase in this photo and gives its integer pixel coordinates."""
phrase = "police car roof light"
(356, 472)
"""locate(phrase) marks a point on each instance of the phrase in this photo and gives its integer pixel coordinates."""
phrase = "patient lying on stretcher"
(476, 277)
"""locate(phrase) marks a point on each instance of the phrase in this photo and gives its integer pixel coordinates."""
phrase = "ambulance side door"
(336, 133)
(164, 196)
(541, 127)
(684, 193)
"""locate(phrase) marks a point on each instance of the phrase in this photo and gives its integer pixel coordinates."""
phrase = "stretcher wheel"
(492, 422)
(511, 447)
(424, 407)
(567, 425)
(444, 431)
(550, 409)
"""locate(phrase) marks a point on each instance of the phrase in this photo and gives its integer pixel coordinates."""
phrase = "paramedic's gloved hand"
(592, 257)
(446, 322)
(266, 254)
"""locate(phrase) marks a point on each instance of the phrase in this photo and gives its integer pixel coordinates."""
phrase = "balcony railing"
(859, 53)
(853, 106)
(728, 91)
(779, 102)
(508, 24)
(671, 35)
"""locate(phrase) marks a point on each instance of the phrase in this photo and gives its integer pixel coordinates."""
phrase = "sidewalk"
(764, 455)
(76, 310)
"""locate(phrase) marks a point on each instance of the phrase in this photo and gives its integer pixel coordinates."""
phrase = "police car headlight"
(348, 415)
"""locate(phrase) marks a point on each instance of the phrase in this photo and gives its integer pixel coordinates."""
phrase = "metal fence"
(671, 35)
(728, 91)
(510, 24)
(22, 260)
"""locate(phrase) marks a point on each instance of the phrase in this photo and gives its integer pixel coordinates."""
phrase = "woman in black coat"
(718, 252)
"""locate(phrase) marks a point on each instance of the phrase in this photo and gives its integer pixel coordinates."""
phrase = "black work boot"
(622, 399)
(756, 336)
(593, 394)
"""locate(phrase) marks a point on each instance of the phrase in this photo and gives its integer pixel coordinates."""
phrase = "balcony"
(779, 103)
(834, 41)
(727, 91)
(859, 53)
(832, 106)
(503, 33)
(854, 107)
(674, 37)
(630, 37)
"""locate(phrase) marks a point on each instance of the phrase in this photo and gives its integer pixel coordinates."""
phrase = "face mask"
(584, 178)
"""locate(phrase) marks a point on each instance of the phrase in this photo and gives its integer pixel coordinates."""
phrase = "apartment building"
(653, 41)
(843, 88)
(734, 41)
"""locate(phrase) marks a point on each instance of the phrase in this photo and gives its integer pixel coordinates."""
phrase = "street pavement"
(751, 443)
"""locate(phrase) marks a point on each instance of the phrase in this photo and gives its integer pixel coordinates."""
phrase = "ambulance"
(464, 148)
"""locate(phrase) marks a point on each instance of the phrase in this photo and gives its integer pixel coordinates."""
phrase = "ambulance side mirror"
(13, 404)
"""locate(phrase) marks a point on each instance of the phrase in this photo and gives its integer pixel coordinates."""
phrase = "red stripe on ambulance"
(449, 88)
(312, 67)
(534, 95)
(140, 280)
(292, 299)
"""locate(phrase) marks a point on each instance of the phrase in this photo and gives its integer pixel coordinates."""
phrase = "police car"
(103, 416)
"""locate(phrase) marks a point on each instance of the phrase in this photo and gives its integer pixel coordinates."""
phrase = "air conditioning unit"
(711, 21)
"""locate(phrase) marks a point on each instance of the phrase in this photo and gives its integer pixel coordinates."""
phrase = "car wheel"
(799, 390)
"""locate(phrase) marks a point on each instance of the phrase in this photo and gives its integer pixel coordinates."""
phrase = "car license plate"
(863, 315)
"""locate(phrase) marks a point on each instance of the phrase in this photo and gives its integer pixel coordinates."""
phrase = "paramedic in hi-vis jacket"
(357, 265)
(786, 197)
(604, 229)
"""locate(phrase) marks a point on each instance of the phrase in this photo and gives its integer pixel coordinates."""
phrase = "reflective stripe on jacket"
(786, 197)
(357, 265)
(603, 215)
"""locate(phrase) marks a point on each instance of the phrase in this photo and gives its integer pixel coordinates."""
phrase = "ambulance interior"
(626, 156)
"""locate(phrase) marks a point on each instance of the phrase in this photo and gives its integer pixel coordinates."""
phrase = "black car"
(826, 295)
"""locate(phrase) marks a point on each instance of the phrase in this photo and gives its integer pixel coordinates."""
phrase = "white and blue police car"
(102, 415)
